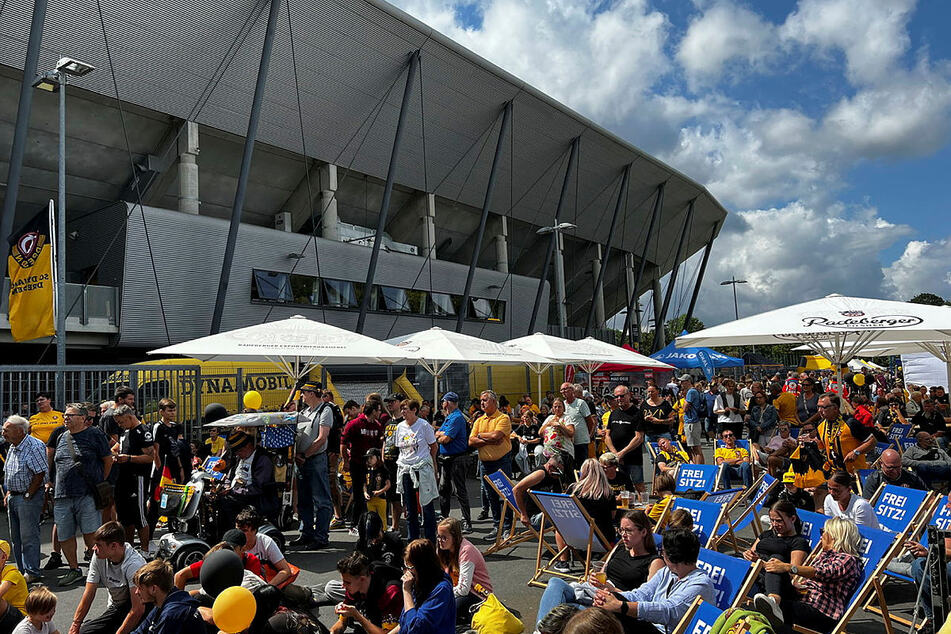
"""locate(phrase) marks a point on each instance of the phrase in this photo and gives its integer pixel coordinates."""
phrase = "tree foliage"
(929, 299)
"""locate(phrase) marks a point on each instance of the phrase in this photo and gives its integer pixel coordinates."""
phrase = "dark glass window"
(444, 305)
(271, 286)
(341, 294)
(306, 289)
(486, 309)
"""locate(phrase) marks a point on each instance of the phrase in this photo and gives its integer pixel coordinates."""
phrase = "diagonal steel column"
(24, 107)
(655, 214)
(703, 269)
(387, 192)
(238, 207)
(659, 325)
(599, 284)
(572, 158)
(489, 188)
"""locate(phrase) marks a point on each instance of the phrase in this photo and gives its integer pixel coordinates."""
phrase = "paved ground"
(509, 572)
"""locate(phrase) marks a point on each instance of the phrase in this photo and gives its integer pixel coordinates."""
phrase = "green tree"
(928, 298)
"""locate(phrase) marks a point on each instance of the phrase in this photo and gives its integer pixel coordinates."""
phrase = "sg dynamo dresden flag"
(31, 280)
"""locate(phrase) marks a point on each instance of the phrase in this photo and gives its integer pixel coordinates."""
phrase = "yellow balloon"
(234, 609)
(859, 379)
(253, 399)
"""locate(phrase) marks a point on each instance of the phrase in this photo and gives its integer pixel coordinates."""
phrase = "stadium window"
(486, 309)
(306, 290)
(393, 299)
(342, 294)
(444, 305)
(271, 286)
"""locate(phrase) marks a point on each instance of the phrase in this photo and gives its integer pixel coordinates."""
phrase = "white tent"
(436, 349)
(296, 345)
(857, 365)
(589, 354)
(939, 349)
(836, 327)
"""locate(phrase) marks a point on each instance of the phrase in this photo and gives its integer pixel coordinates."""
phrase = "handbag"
(491, 617)
(103, 493)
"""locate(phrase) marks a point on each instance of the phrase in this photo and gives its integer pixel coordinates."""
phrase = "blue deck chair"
(812, 524)
(904, 443)
(876, 453)
(696, 477)
(898, 509)
(863, 475)
(732, 577)
(745, 444)
(794, 432)
(898, 431)
(707, 518)
(699, 618)
(754, 498)
(653, 449)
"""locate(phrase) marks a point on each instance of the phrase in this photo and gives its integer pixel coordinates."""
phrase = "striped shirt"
(23, 462)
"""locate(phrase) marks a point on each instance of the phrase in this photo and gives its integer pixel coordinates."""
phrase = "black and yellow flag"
(31, 280)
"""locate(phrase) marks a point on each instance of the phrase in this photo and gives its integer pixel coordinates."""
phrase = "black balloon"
(222, 569)
(215, 412)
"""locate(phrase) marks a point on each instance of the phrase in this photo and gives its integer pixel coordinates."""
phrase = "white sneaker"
(768, 607)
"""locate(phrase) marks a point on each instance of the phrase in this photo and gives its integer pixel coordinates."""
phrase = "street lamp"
(555, 231)
(733, 281)
(55, 81)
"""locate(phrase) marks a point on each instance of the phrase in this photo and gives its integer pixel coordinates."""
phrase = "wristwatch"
(794, 570)
(27, 496)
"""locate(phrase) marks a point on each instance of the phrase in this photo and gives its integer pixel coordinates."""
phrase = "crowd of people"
(394, 472)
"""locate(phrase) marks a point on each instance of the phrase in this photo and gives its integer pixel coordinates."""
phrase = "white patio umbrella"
(589, 354)
(836, 327)
(296, 345)
(437, 349)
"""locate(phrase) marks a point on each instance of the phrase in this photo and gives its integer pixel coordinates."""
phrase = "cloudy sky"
(823, 126)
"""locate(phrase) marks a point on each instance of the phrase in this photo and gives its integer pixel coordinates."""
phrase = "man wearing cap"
(391, 419)
(490, 435)
(453, 450)
(239, 542)
(24, 474)
(693, 427)
(792, 493)
(314, 505)
(250, 480)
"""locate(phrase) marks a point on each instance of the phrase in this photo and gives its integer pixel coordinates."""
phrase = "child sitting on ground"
(40, 607)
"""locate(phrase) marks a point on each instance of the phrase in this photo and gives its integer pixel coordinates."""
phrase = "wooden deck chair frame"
(515, 535)
(870, 589)
(690, 613)
(713, 539)
(749, 580)
(751, 498)
(548, 568)
(923, 519)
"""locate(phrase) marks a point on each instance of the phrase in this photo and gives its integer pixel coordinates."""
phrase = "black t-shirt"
(54, 437)
(624, 425)
(772, 544)
(602, 511)
(167, 437)
(801, 499)
(923, 422)
(377, 479)
(661, 411)
(527, 432)
(620, 482)
(132, 443)
(626, 572)
(548, 483)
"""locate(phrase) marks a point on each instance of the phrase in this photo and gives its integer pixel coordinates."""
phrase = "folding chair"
(904, 443)
(707, 519)
(753, 498)
(699, 618)
(876, 550)
(898, 431)
(733, 578)
(898, 509)
(745, 444)
(812, 524)
(696, 478)
(566, 514)
(862, 478)
(876, 453)
(504, 487)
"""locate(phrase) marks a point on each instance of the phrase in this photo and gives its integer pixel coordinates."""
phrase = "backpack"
(736, 621)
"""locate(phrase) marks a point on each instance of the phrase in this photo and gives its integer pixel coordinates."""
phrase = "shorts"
(692, 432)
(635, 472)
(76, 513)
(131, 500)
(392, 496)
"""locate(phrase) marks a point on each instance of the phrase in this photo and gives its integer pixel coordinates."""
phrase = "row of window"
(307, 290)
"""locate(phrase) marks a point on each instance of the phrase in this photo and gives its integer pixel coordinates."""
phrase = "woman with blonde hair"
(596, 496)
(829, 583)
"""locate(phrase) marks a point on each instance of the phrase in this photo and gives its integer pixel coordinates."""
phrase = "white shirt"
(266, 549)
(414, 442)
(858, 510)
(116, 578)
(575, 414)
(725, 400)
(242, 473)
(26, 627)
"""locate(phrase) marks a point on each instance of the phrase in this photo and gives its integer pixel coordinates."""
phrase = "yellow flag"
(31, 280)
(405, 386)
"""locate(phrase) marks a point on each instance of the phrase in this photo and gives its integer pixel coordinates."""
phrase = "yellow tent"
(815, 362)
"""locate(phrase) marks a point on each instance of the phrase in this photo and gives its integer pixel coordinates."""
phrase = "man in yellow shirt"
(46, 418)
(785, 404)
(735, 461)
(490, 435)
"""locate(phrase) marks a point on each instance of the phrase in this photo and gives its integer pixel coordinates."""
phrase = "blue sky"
(822, 125)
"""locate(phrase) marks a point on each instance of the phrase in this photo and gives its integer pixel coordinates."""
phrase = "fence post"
(239, 377)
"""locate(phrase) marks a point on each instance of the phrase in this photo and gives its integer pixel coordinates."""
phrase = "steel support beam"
(387, 192)
(489, 189)
(599, 284)
(241, 190)
(703, 269)
(572, 158)
(24, 107)
(655, 214)
(659, 327)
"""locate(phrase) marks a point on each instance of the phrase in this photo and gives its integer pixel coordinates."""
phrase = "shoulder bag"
(103, 493)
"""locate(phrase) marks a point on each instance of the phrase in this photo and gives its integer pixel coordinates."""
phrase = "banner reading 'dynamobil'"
(30, 263)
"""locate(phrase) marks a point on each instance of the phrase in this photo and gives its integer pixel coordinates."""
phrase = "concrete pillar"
(658, 307)
(502, 245)
(188, 148)
(427, 222)
(327, 181)
(598, 293)
(560, 309)
(629, 274)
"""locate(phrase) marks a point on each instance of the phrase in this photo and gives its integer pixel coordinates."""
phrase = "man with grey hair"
(578, 415)
(82, 460)
(24, 475)
(490, 435)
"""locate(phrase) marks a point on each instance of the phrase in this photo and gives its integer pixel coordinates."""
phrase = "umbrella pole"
(539, 375)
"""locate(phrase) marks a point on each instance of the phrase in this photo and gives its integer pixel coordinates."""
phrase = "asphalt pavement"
(509, 570)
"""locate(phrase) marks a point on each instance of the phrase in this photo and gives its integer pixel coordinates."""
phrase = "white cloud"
(722, 34)
(924, 267)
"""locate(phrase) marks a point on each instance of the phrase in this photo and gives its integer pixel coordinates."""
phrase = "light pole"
(55, 81)
(733, 281)
(555, 232)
